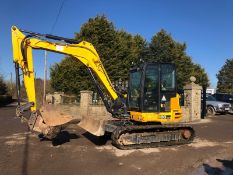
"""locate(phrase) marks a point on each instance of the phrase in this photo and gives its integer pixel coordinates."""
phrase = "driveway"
(77, 152)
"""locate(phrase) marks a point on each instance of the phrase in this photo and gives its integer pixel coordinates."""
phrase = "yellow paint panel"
(175, 115)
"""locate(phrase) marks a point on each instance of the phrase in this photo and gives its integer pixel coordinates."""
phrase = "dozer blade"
(93, 126)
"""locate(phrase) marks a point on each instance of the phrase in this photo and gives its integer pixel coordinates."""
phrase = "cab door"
(159, 86)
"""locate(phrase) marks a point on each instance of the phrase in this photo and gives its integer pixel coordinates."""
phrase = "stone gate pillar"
(85, 101)
(192, 101)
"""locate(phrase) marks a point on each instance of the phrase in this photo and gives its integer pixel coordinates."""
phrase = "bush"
(5, 99)
(3, 88)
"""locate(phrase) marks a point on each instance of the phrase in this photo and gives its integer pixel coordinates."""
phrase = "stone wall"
(84, 108)
(192, 102)
(191, 110)
(55, 98)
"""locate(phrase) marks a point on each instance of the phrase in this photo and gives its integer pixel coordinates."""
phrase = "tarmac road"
(77, 152)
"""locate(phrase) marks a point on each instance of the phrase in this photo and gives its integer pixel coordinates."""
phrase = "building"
(210, 91)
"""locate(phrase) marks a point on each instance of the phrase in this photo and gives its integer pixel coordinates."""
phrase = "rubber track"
(166, 129)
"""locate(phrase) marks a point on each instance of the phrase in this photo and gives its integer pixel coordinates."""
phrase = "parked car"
(214, 106)
(225, 98)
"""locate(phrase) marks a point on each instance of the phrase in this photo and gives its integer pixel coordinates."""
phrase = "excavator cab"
(152, 93)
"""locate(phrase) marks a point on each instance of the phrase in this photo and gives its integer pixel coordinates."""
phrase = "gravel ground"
(78, 152)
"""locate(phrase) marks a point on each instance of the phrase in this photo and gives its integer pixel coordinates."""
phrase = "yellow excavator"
(148, 117)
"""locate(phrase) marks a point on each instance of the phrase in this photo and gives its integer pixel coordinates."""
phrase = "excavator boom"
(49, 116)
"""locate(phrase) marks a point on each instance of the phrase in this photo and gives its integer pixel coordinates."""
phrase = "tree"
(11, 88)
(200, 74)
(163, 48)
(3, 88)
(117, 49)
(39, 89)
(225, 77)
(69, 76)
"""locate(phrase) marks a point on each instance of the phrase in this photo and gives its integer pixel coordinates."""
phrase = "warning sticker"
(164, 98)
(59, 48)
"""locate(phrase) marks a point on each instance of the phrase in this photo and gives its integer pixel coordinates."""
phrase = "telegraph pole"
(11, 85)
(45, 76)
